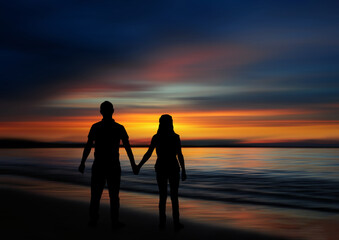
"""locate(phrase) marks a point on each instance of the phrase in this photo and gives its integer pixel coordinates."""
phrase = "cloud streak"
(61, 59)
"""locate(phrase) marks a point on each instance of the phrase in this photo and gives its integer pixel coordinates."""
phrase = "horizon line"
(24, 143)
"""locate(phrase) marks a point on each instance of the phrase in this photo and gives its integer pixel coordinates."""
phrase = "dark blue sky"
(61, 58)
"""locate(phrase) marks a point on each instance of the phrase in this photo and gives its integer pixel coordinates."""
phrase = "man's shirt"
(106, 135)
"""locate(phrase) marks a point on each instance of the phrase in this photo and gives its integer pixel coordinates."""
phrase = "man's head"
(106, 109)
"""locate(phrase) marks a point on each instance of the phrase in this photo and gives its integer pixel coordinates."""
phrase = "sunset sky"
(227, 71)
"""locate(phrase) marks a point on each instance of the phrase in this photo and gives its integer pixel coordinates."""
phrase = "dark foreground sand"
(31, 216)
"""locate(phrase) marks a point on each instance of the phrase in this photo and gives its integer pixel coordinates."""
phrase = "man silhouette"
(106, 135)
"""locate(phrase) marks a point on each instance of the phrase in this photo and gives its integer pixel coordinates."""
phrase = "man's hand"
(82, 168)
(183, 175)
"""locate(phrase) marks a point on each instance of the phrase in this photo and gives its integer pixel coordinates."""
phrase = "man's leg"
(97, 186)
(162, 185)
(113, 183)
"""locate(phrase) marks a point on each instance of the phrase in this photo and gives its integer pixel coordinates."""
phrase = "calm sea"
(279, 177)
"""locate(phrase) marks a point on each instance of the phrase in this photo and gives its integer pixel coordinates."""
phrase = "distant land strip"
(22, 143)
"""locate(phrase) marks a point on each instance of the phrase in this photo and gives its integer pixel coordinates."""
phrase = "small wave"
(260, 188)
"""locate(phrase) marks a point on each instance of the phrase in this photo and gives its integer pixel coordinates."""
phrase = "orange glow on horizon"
(189, 125)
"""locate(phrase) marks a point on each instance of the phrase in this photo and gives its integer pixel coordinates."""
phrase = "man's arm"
(130, 155)
(86, 152)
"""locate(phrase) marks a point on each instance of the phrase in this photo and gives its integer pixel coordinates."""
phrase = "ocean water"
(293, 178)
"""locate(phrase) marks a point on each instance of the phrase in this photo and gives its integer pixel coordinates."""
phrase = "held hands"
(136, 169)
(82, 168)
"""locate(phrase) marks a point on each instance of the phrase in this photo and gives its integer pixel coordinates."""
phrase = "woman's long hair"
(165, 125)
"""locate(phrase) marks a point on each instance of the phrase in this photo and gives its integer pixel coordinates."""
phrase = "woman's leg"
(162, 185)
(174, 179)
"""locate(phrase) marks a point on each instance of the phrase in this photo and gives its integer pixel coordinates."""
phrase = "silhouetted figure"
(106, 135)
(168, 147)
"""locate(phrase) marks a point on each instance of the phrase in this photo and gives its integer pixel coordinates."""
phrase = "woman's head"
(166, 125)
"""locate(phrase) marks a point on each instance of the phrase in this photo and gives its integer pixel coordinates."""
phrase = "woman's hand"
(82, 168)
(183, 175)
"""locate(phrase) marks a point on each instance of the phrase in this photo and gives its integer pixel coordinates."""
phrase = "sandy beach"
(27, 215)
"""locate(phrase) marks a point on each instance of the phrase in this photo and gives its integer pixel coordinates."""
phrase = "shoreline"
(183, 146)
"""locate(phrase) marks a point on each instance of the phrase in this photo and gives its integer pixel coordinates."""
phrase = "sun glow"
(189, 125)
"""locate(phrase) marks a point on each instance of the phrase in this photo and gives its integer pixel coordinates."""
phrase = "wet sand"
(30, 215)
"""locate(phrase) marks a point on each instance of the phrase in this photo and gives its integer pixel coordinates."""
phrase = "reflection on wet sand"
(283, 222)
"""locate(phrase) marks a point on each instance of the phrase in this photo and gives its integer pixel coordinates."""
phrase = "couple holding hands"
(106, 136)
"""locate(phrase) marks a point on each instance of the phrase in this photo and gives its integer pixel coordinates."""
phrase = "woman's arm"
(181, 161)
(147, 155)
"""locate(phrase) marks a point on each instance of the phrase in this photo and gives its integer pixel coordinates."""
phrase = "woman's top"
(167, 147)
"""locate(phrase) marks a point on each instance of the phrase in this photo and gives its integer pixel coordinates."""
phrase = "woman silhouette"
(168, 147)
